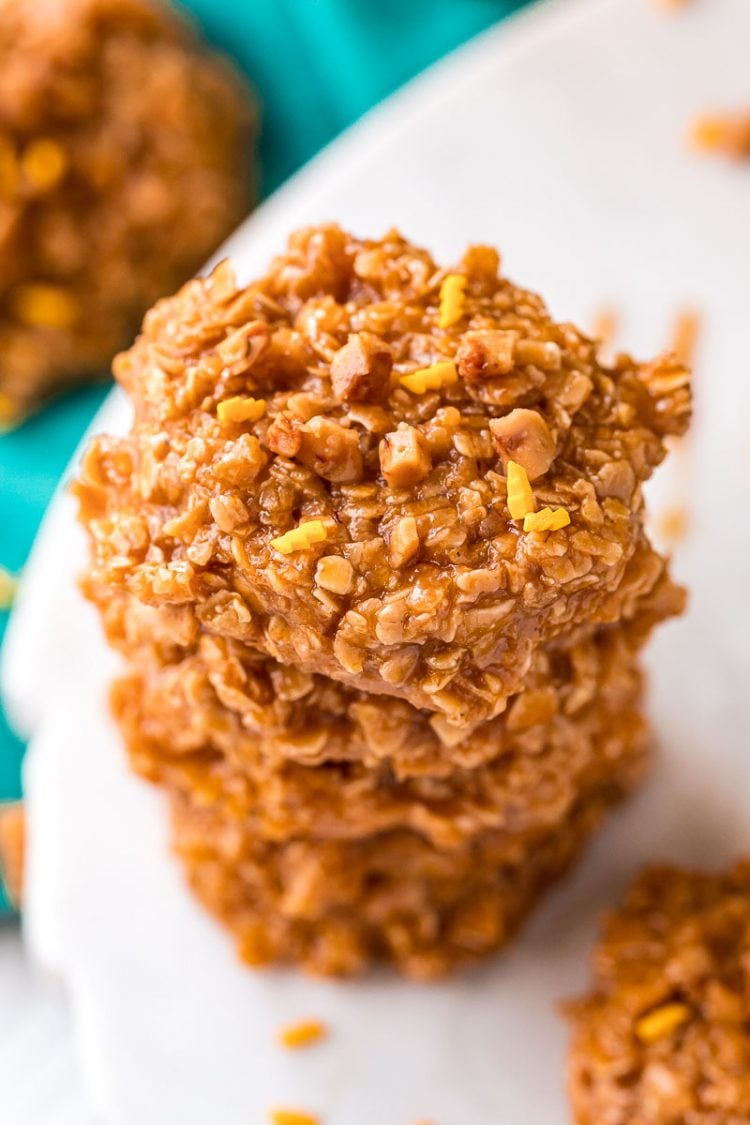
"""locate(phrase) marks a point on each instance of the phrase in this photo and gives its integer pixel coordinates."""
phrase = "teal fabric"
(317, 66)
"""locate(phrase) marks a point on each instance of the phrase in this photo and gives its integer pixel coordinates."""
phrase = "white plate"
(560, 137)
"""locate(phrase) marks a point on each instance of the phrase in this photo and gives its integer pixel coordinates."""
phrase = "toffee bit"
(452, 300)
(300, 538)
(241, 409)
(441, 374)
(548, 519)
(662, 1022)
(520, 496)
(293, 1117)
(8, 587)
(302, 1034)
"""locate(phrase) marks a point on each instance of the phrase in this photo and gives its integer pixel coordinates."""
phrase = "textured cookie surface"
(664, 1037)
(338, 465)
(125, 159)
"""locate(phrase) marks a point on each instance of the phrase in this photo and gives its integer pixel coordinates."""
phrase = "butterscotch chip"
(664, 1037)
(361, 370)
(123, 164)
(422, 464)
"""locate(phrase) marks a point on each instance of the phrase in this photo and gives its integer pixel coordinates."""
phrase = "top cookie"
(334, 464)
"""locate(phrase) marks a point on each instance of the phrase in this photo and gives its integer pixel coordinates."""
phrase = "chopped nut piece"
(8, 587)
(335, 574)
(520, 496)
(431, 378)
(662, 1022)
(361, 369)
(452, 300)
(228, 512)
(302, 1034)
(541, 353)
(38, 305)
(403, 542)
(44, 163)
(486, 354)
(330, 449)
(524, 436)
(548, 519)
(300, 538)
(283, 436)
(241, 409)
(293, 1117)
(404, 457)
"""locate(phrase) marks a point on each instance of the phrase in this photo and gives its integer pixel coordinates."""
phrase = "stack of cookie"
(374, 553)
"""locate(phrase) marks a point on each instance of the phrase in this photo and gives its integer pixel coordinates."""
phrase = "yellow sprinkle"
(662, 1022)
(241, 409)
(520, 496)
(293, 1117)
(39, 305)
(44, 163)
(441, 374)
(300, 538)
(302, 1034)
(549, 519)
(8, 587)
(452, 300)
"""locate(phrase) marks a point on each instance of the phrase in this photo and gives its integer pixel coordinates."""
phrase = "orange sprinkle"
(431, 378)
(302, 1034)
(452, 300)
(726, 133)
(662, 1022)
(12, 849)
(605, 327)
(520, 496)
(241, 409)
(674, 523)
(300, 538)
(685, 336)
(548, 519)
(293, 1117)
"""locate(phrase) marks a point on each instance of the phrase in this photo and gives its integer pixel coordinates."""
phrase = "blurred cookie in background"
(126, 157)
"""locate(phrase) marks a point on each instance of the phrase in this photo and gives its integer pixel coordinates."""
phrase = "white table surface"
(39, 1079)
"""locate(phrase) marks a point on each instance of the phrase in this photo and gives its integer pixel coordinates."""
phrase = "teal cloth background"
(317, 66)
